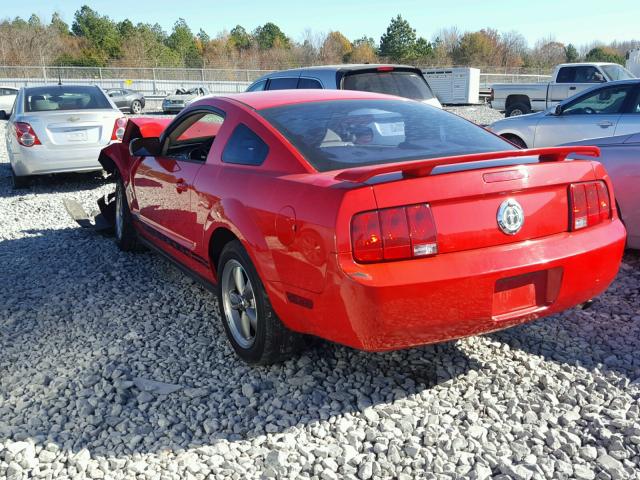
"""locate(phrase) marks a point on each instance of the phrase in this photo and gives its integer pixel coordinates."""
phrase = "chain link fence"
(160, 81)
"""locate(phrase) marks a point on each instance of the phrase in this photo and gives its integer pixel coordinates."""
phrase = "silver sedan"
(620, 155)
(60, 128)
(601, 111)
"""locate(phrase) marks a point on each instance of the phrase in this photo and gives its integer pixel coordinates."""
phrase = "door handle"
(572, 88)
(605, 124)
(181, 185)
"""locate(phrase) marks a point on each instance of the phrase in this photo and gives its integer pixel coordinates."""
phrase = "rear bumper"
(39, 159)
(404, 304)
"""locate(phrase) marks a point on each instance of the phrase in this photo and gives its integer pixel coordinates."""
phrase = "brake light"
(385, 69)
(394, 234)
(118, 128)
(25, 134)
(589, 204)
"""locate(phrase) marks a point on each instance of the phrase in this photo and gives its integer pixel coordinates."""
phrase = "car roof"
(277, 98)
(350, 66)
(587, 64)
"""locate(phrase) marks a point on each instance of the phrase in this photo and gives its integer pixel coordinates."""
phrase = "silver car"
(175, 102)
(604, 110)
(620, 156)
(60, 128)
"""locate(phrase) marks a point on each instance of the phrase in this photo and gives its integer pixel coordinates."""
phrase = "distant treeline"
(97, 40)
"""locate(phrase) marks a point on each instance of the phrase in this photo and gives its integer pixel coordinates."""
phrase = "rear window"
(64, 97)
(403, 84)
(351, 133)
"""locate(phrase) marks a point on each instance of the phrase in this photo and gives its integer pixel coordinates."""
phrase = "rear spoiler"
(423, 168)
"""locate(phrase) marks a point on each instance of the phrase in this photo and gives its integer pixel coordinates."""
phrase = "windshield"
(64, 97)
(351, 133)
(616, 72)
(403, 84)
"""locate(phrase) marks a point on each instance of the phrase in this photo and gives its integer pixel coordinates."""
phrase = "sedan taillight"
(118, 128)
(25, 134)
(393, 234)
(590, 204)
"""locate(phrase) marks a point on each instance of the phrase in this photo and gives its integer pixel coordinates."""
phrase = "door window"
(309, 83)
(635, 104)
(606, 101)
(283, 83)
(193, 137)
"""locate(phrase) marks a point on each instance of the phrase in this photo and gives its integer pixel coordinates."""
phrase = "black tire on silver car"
(254, 330)
(517, 109)
(136, 106)
(123, 225)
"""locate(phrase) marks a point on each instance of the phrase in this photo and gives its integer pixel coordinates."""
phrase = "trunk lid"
(73, 129)
(465, 198)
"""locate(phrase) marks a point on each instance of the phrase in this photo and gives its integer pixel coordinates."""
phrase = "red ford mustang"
(368, 220)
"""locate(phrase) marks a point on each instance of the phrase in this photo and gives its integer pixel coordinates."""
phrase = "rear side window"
(309, 83)
(402, 84)
(351, 133)
(245, 147)
(566, 75)
(283, 83)
(64, 97)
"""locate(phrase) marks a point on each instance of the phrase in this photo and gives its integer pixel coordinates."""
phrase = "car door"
(630, 119)
(163, 185)
(116, 97)
(591, 115)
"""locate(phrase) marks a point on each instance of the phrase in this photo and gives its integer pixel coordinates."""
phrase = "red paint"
(296, 225)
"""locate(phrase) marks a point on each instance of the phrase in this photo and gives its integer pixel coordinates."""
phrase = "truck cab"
(568, 79)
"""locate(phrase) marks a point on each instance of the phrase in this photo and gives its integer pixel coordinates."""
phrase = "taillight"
(394, 234)
(590, 204)
(118, 128)
(25, 134)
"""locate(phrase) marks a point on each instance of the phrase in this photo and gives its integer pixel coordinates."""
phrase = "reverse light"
(394, 234)
(118, 128)
(25, 134)
(589, 204)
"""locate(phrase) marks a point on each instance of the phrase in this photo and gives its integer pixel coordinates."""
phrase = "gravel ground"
(115, 365)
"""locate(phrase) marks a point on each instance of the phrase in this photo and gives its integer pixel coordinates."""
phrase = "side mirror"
(145, 147)
(558, 110)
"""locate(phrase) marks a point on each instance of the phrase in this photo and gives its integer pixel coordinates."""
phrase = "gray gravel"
(115, 365)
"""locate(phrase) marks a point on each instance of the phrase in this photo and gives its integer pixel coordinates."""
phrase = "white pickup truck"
(568, 79)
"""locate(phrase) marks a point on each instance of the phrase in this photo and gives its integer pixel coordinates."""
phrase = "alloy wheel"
(239, 304)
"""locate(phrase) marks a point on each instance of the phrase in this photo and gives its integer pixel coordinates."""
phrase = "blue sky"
(577, 21)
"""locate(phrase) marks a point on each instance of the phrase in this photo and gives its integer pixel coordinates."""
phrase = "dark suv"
(400, 80)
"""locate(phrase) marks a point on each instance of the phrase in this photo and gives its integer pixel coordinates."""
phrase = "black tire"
(517, 141)
(273, 342)
(136, 107)
(125, 233)
(19, 182)
(516, 109)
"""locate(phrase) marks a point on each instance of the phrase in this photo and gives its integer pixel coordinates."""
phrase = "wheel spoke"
(238, 278)
(253, 317)
(245, 324)
(247, 293)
